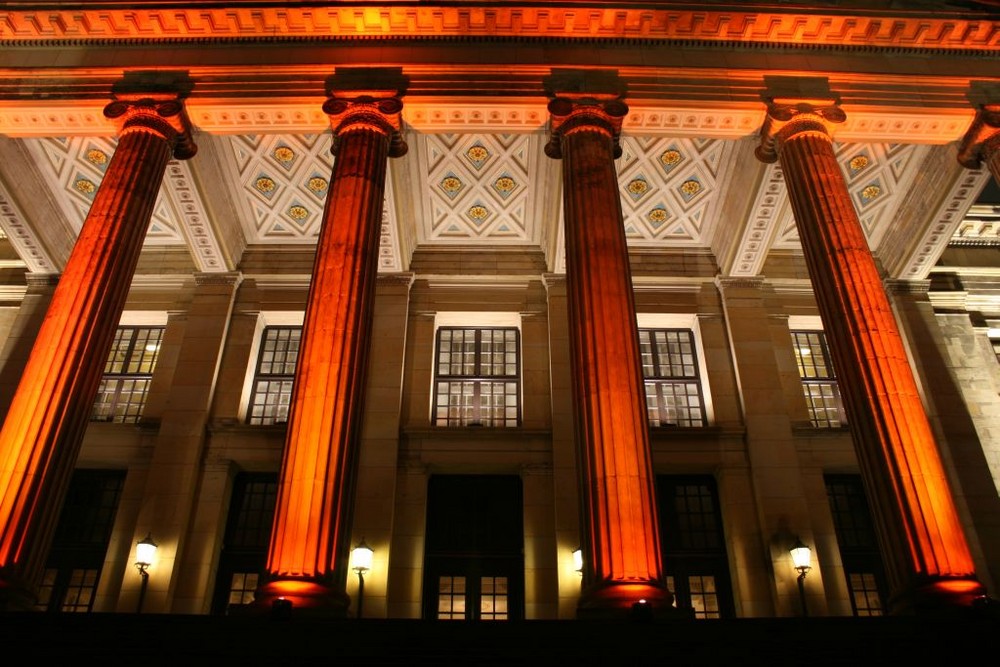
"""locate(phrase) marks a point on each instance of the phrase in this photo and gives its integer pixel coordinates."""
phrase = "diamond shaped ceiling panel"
(667, 184)
(75, 167)
(478, 187)
(877, 176)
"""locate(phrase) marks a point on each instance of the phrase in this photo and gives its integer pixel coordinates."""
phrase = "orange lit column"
(926, 555)
(982, 141)
(308, 556)
(621, 543)
(41, 436)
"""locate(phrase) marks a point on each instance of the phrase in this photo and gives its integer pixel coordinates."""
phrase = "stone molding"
(734, 25)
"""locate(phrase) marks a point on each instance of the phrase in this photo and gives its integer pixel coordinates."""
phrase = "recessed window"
(694, 548)
(128, 373)
(670, 372)
(274, 375)
(73, 569)
(477, 377)
(859, 551)
(248, 533)
(819, 382)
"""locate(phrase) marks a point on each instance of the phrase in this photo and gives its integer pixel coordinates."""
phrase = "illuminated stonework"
(298, 212)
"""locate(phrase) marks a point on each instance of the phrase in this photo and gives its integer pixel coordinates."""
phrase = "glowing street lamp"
(578, 561)
(361, 559)
(145, 551)
(801, 560)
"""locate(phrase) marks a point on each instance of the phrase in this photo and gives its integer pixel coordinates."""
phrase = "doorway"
(474, 560)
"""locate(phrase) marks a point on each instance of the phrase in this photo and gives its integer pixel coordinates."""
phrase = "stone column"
(926, 555)
(41, 436)
(620, 532)
(308, 558)
(982, 141)
(23, 333)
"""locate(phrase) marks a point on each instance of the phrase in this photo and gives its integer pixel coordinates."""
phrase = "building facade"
(484, 285)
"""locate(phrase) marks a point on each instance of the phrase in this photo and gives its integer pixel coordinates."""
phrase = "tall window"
(272, 383)
(73, 568)
(128, 373)
(477, 377)
(858, 546)
(819, 383)
(694, 549)
(244, 548)
(670, 370)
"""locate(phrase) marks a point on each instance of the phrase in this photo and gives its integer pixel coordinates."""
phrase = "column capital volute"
(982, 137)
(570, 113)
(376, 110)
(789, 117)
(163, 114)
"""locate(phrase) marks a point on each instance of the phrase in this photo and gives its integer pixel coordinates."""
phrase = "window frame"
(120, 408)
(441, 415)
(857, 542)
(658, 381)
(828, 380)
(264, 418)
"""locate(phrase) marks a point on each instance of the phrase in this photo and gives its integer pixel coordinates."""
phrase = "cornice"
(117, 23)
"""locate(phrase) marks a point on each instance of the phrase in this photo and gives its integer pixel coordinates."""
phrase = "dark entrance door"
(474, 563)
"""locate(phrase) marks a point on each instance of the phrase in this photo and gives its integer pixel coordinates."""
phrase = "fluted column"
(621, 544)
(982, 141)
(924, 547)
(308, 557)
(41, 436)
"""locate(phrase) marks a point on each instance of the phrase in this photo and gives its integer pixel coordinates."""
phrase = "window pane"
(451, 598)
(274, 379)
(128, 372)
(673, 388)
(819, 384)
(466, 390)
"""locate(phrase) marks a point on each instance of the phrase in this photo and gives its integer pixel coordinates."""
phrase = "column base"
(627, 601)
(295, 598)
(944, 597)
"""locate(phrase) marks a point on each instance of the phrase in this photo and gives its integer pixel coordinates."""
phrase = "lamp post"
(145, 550)
(801, 559)
(361, 557)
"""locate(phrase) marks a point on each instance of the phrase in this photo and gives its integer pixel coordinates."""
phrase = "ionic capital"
(787, 118)
(379, 111)
(982, 138)
(163, 115)
(569, 114)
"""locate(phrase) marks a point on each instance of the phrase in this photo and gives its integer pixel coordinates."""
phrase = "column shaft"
(927, 558)
(41, 436)
(307, 562)
(620, 532)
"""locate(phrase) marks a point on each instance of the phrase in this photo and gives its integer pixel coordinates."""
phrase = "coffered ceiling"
(476, 178)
